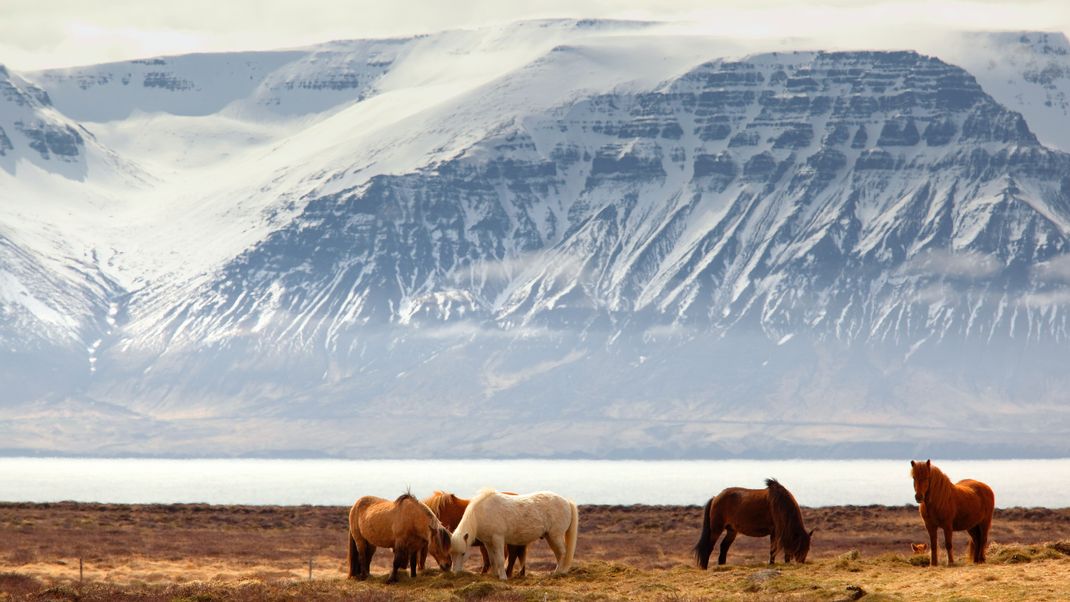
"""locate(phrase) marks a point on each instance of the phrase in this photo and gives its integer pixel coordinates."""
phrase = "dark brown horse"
(449, 509)
(772, 511)
(963, 506)
(405, 525)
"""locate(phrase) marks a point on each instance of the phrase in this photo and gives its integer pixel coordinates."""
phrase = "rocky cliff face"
(833, 194)
(793, 253)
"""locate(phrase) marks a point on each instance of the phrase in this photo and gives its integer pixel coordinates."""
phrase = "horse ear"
(912, 463)
(928, 463)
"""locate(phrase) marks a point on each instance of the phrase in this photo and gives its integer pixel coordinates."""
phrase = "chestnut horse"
(406, 525)
(449, 509)
(963, 506)
(772, 511)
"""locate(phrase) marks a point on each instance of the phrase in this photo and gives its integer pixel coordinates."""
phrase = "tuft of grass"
(848, 561)
(1062, 547)
(919, 560)
(481, 590)
(1019, 554)
(18, 585)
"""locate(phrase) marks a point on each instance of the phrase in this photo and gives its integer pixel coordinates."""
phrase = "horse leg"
(366, 557)
(485, 555)
(774, 545)
(522, 556)
(975, 537)
(353, 556)
(947, 543)
(729, 537)
(933, 560)
(557, 545)
(413, 556)
(401, 558)
(514, 552)
(496, 549)
(422, 560)
(985, 526)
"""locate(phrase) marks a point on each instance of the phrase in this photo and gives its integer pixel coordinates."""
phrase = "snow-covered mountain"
(549, 238)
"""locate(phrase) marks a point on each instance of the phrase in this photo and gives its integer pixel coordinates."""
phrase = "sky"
(37, 34)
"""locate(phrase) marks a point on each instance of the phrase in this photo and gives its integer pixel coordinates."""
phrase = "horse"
(963, 506)
(772, 511)
(406, 525)
(497, 519)
(449, 509)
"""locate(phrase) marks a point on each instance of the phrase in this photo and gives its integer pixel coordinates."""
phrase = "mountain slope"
(830, 253)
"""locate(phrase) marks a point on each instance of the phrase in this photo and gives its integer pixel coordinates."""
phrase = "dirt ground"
(195, 551)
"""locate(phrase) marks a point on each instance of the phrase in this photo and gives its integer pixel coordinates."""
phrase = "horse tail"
(989, 499)
(354, 557)
(571, 536)
(704, 547)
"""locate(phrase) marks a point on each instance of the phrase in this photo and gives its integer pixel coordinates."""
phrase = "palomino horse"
(497, 519)
(772, 511)
(964, 506)
(449, 509)
(406, 525)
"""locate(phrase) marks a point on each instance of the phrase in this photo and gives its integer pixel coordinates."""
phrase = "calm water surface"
(340, 482)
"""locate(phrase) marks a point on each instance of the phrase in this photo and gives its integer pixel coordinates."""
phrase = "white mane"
(482, 493)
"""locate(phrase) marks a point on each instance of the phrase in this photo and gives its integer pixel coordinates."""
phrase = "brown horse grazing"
(772, 511)
(449, 509)
(964, 506)
(406, 525)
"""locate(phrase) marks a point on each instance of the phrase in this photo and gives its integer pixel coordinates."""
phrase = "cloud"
(48, 33)
(660, 332)
(1054, 270)
(1047, 298)
(965, 266)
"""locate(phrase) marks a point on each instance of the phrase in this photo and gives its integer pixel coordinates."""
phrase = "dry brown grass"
(200, 552)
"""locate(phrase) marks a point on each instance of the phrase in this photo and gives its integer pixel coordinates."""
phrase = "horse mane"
(469, 519)
(405, 496)
(941, 489)
(483, 493)
(787, 517)
(436, 501)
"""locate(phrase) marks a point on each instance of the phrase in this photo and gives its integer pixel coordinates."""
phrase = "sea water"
(340, 482)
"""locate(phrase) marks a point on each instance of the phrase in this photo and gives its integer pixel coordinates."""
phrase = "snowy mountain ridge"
(587, 233)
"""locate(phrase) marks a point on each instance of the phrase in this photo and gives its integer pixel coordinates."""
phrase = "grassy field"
(201, 552)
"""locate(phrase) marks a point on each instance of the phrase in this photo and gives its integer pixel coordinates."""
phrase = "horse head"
(921, 472)
(802, 547)
(439, 546)
(459, 544)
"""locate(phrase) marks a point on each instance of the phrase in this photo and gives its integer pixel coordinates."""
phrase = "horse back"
(974, 503)
(387, 524)
(521, 519)
(745, 510)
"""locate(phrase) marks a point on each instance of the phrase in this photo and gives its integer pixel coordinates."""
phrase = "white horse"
(497, 519)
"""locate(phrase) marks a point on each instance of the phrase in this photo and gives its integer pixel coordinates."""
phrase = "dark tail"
(354, 558)
(704, 547)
